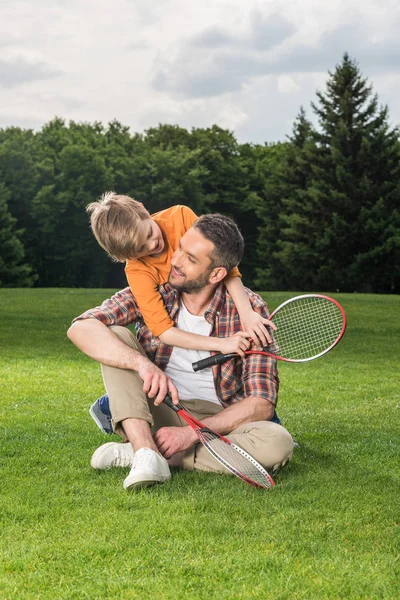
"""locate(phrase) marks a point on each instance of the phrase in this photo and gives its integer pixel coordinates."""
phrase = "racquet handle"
(217, 359)
(167, 400)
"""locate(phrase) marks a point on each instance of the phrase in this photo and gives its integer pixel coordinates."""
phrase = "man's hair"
(115, 224)
(228, 242)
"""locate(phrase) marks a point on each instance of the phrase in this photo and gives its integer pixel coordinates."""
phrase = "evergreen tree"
(342, 232)
(13, 271)
(285, 210)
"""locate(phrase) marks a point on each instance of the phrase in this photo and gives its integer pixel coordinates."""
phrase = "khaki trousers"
(269, 443)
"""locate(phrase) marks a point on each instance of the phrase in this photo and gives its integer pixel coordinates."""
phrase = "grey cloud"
(199, 85)
(211, 71)
(263, 33)
(215, 62)
(211, 38)
(331, 46)
(18, 71)
(268, 32)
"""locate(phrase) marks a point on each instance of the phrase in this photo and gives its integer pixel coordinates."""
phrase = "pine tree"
(13, 271)
(352, 195)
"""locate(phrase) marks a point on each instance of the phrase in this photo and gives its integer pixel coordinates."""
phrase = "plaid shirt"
(256, 375)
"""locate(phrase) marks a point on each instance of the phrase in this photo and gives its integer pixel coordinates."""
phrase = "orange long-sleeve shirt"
(147, 273)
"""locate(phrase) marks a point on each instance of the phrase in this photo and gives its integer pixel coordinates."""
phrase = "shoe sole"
(98, 422)
(135, 485)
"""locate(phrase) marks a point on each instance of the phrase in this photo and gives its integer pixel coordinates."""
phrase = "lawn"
(329, 529)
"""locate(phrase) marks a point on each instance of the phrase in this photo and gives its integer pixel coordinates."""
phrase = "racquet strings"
(236, 460)
(306, 327)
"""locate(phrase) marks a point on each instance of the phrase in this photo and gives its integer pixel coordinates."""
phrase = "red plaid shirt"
(256, 375)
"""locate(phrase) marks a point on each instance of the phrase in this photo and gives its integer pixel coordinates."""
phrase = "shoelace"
(122, 458)
(143, 457)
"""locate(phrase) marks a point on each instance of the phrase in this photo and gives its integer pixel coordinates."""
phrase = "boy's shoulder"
(178, 211)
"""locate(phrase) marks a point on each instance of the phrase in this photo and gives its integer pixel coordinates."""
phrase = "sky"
(247, 66)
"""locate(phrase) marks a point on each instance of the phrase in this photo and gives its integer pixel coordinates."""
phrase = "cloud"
(8, 39)
(138, 45)
(26, 121)
(262, 33)
(267, 32)
(194, 113)
(247, 66)
(214, 37)
(324, 54)
(217, 62)
(17, 70)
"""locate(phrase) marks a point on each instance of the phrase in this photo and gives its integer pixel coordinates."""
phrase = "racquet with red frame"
(232, 457)
(308, 327)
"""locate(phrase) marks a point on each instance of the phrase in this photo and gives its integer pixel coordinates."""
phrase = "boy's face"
(150, 239)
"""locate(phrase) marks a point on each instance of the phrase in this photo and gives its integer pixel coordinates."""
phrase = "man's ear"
(218, 274)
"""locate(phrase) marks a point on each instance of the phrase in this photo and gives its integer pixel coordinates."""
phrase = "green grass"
(329, 529)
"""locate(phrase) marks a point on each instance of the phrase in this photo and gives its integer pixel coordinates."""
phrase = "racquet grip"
(211, 361)
(167, 400)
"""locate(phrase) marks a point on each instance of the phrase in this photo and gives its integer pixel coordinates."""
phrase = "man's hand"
(171, 440)
(255, 325)
(155, 382)
(238, 343)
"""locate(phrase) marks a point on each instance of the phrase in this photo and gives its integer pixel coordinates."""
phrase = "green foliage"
(320, 210)
(328, 530)
(339, 224)
(13, 270)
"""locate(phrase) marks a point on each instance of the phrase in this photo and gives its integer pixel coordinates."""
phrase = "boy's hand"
(239, 343)
(256, 326)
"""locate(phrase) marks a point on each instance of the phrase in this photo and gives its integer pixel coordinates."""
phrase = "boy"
(125, 229)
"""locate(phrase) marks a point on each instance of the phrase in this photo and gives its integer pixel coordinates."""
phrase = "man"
(237, 399)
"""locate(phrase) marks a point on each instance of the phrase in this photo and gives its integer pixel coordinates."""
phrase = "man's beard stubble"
(192, 286)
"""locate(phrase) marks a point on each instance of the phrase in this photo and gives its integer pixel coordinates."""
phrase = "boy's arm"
(252, 322)
(236, 343)
(155, 315)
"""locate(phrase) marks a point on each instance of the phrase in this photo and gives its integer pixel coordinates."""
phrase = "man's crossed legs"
(269, 443)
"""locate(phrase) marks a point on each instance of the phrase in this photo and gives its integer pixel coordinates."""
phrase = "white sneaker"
(112, 454)
(148, 468)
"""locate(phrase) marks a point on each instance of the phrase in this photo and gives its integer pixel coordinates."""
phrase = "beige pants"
(267, 442)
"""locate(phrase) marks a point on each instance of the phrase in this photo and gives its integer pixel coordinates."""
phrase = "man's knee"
(269, 443)
(285, 447)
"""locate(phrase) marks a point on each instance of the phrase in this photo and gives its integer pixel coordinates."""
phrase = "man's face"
(150, 239)
(191, 263)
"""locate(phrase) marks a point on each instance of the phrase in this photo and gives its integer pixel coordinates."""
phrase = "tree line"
(319, 211)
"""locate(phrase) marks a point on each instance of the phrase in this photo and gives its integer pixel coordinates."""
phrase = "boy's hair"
(228, 242)
(115, 223)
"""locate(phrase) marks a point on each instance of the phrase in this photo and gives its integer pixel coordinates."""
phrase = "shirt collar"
(172, 298)
(218, 302)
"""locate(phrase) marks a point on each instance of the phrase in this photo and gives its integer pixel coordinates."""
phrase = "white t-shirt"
(191, 385)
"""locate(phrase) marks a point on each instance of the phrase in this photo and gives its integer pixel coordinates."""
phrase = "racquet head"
(235, 459)
(232, 457)
(308, 326)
